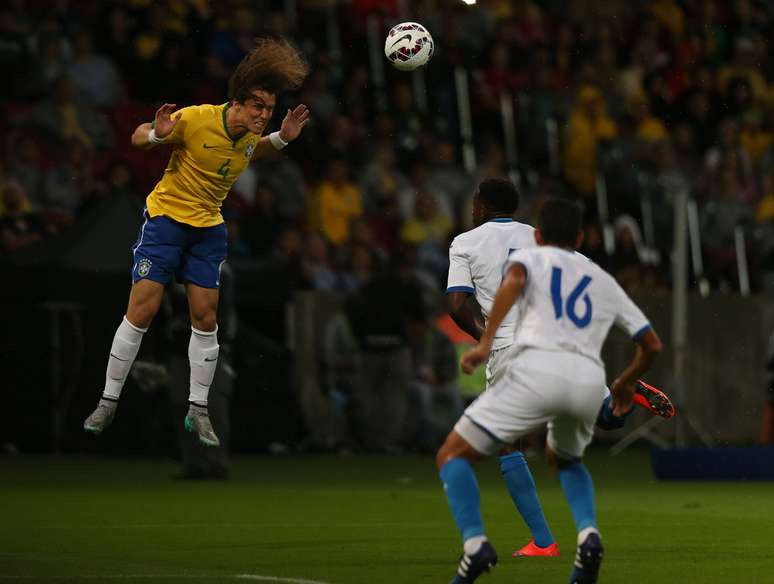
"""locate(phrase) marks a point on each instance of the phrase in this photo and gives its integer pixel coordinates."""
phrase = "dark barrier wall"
(726, 355)
(278, 395)
(725, 375)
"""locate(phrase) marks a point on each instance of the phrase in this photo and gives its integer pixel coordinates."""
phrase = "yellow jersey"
(204, 164)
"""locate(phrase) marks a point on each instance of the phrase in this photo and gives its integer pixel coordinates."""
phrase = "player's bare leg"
(144, 301)
(203, 357)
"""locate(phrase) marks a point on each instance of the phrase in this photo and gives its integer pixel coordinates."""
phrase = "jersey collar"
(225, 125)
(501, 220)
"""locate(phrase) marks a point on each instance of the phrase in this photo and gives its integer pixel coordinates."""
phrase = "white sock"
(473, 544)
(203, 356)
(584, 533)
(126, 343)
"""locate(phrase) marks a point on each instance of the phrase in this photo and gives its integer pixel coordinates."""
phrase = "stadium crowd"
(648, 98)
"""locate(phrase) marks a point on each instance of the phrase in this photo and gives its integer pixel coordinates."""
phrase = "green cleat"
(198, 420)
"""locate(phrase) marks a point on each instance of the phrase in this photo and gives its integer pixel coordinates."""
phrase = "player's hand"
(473, 358)
(294, 122)
(623, 396)
(164, 122)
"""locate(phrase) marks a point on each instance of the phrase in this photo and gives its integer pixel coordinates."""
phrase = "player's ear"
(579, 239)
(539, 237)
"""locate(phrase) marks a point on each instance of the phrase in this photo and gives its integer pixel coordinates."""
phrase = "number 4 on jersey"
(572, 299)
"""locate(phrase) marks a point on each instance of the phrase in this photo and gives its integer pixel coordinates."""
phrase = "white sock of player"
(203, 355)
(126, 343)
(584, 533)
(473, 544)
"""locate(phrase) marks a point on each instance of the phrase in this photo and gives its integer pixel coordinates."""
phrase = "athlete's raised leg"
(203, 351)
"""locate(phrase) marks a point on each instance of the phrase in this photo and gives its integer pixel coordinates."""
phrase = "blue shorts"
(167, 248)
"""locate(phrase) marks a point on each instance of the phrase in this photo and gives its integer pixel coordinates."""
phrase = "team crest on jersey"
(143, 267)
(249, 150)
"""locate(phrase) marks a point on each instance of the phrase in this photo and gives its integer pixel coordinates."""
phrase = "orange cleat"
(531, 550)
(653, 400)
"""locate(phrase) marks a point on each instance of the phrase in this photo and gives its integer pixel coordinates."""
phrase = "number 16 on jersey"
(570, 307)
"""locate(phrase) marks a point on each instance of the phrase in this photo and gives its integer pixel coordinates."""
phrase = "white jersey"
(476, 260)
(569, 303)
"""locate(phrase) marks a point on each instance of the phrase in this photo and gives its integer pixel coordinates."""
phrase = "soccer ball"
(408, 46)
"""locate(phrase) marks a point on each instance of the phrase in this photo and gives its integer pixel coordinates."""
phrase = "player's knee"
(442, 456)
(141, 313)
(205, 320)
(559, 461)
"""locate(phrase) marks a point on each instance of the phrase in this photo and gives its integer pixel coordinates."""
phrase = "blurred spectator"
(19, 225)
(631, 256)
(744, 65)
(335, 202)
(593, 245)
(379, 315)
(728, 151)
(68, 184)
(437, 401)
(648, 128)
(94, 77)
(359, 268)
(316, 264)
(237, 246)
(720, 216)
(25, 162)
(283, 175)
(588, 125)
(263, 223)
(428, 230)
(753, 137)
(448, 178)
(381, 179)
(63, 118)
(318, 96)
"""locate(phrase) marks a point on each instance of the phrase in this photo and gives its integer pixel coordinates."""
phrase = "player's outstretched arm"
(149, 135)
(292, 124)
(510, 289)
(648, 346)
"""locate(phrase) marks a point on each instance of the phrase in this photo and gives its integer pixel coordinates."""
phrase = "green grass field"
(358, 521)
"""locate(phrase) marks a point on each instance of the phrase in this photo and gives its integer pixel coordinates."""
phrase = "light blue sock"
(461, 488)
(609, 421)
(579, 491)
(521, 486)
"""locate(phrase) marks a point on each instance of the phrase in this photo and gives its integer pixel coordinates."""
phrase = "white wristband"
(277, 141)
(152, 137)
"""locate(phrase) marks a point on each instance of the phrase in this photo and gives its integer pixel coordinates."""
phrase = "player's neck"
(234, 127)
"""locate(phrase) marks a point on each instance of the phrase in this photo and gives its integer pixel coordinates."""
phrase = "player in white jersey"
(476, 259)
(554, 376)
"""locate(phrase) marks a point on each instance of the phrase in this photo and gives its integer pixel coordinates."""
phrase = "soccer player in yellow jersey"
(184, 235)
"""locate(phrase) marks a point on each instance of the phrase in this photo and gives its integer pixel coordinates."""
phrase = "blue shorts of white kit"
(167, 248)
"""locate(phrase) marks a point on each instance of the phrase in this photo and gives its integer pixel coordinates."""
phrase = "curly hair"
(273, 65)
